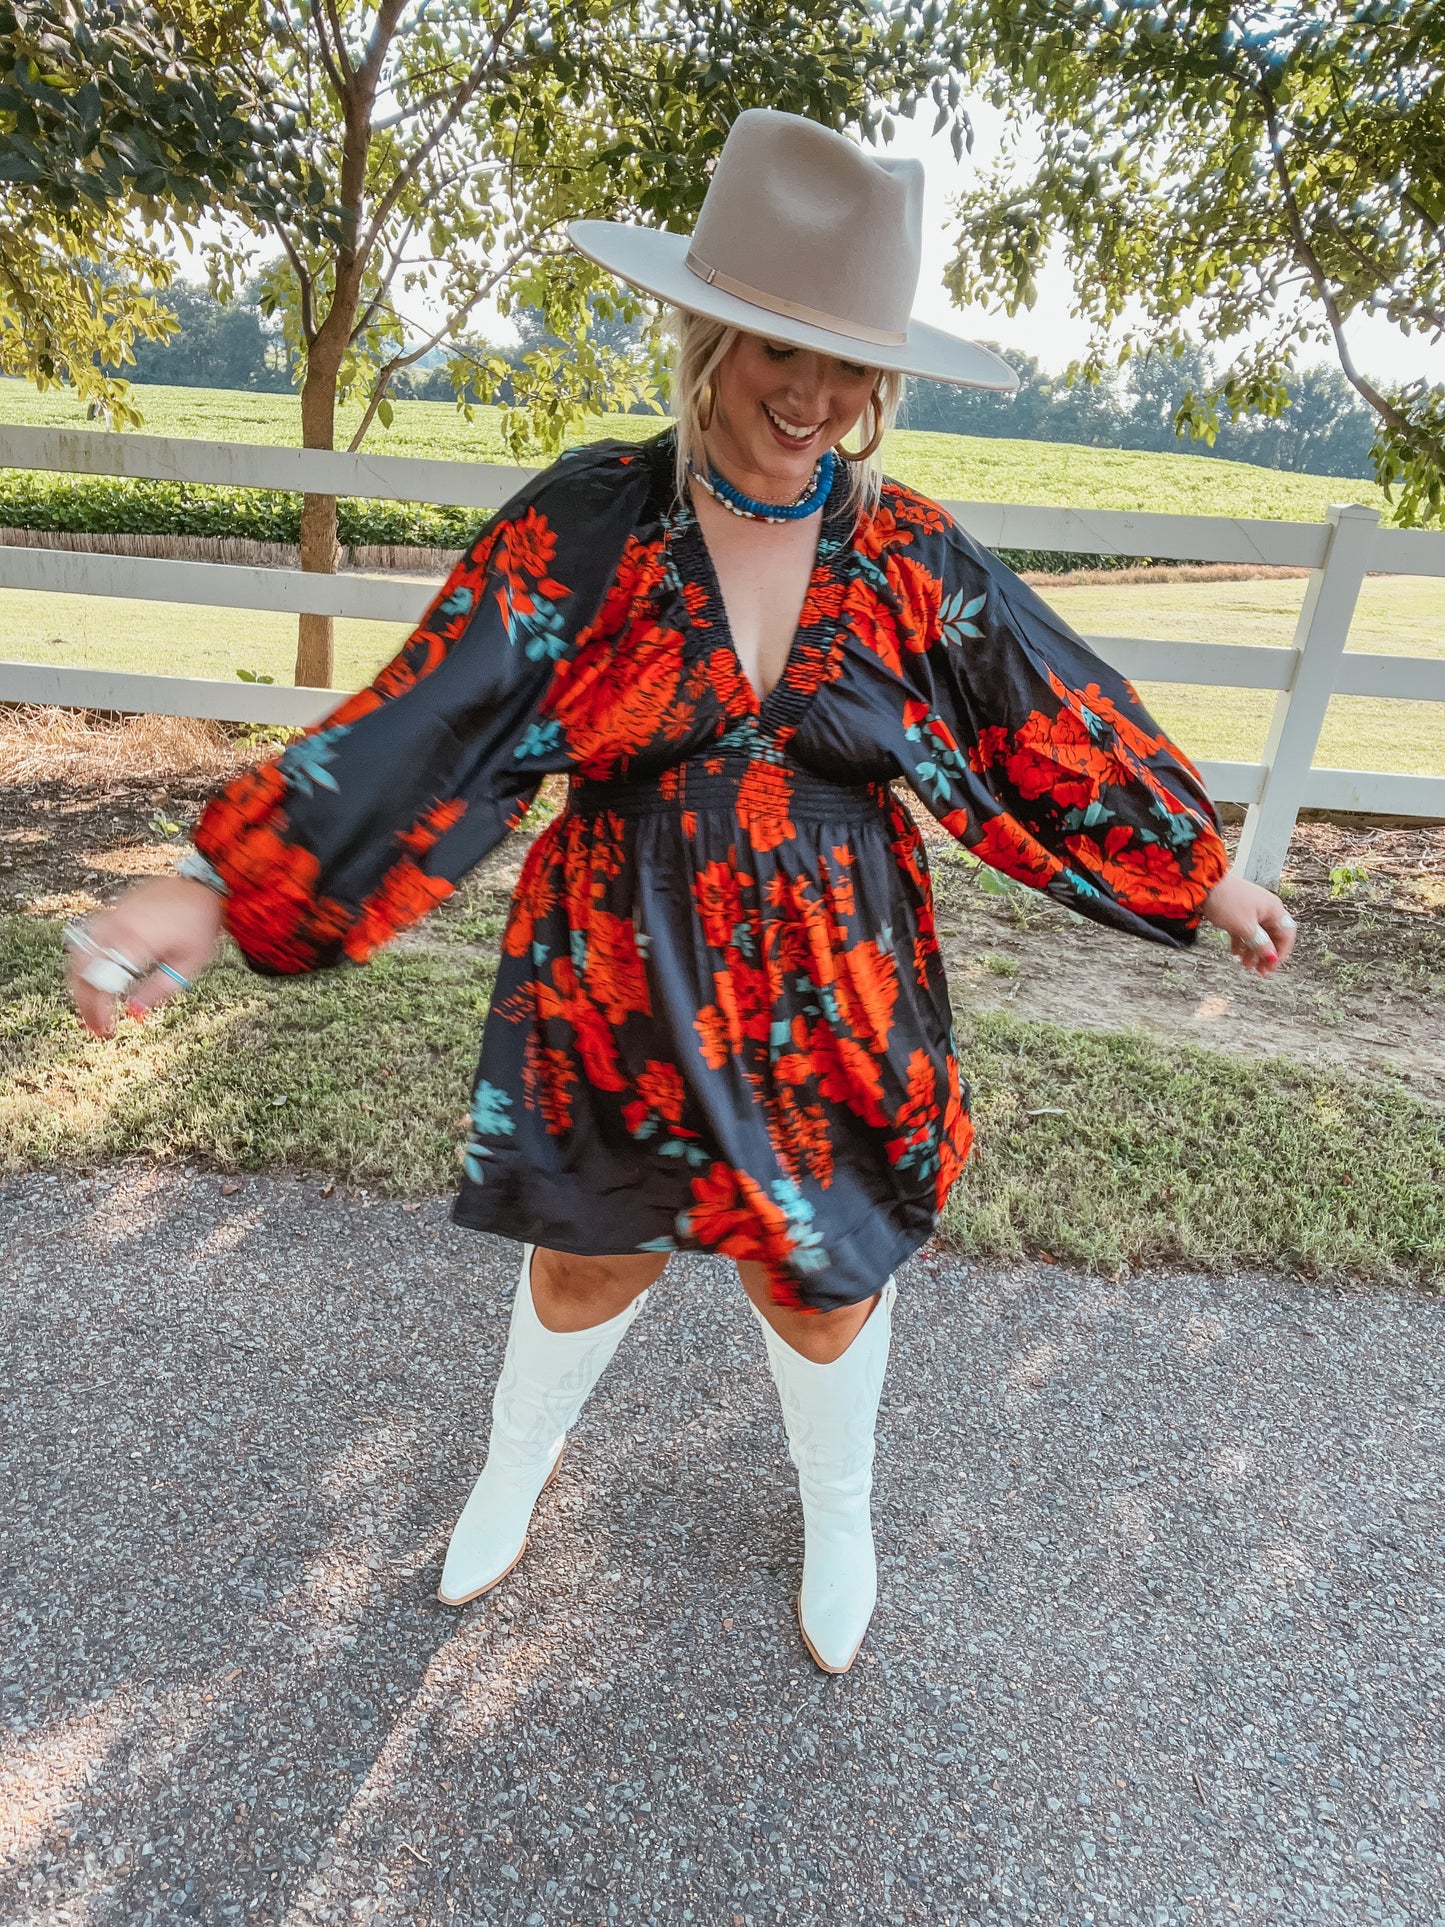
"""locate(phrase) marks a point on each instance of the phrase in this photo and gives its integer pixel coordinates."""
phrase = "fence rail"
(1338, 552)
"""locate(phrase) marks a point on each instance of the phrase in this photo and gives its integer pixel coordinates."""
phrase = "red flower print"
(847, 1074)
(661, 1088)
(717, 891)
(616, 975)
(522, 557)
(718, 1034)
(914, 512)
(734, 691)
(405, 896)
(733, 1214)
(558, 1075)
(694, 600)
(957, 1136)
(1143, 876)
(612, 702)
(921, 594)
(823, 601)
(879, 533)
(801, 1133)
(564, 999)
(1004, 842)
(918, 1113)
(763, 798)
(874, 624)
(535, 896)
(867, 990)
(1053, 756)
(637, 574)
(813, 665)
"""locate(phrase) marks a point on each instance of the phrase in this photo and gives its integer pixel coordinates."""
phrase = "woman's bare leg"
(822, 1336)
(572, 1294)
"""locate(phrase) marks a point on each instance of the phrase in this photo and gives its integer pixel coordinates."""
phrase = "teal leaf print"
(458, 603)
(956, 617)
(306, 765)
(543, 632)
(538, 740)
(490, 1108)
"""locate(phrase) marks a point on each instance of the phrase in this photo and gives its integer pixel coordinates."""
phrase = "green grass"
(948, 467)
(1194, 1156)
(176, 639)
(1398, 615)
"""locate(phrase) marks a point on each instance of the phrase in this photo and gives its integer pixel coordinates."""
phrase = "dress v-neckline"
(783, 702)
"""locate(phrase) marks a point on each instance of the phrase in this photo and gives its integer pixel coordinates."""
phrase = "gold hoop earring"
(706, 402)
(875, 402)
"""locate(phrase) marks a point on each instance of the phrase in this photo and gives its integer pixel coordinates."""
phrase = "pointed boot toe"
(829, 1412)
(834, 1614)
(545, 1380)
(490, 1535)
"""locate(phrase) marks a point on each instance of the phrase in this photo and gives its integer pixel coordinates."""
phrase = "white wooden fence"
(1338, 552)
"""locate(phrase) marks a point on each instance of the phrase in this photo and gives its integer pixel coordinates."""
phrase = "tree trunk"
(315, 642)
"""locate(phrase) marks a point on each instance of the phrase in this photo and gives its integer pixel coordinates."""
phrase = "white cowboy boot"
(545, 1381)
(829, 1412)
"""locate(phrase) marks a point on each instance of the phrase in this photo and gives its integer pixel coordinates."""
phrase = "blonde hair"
(702, 343)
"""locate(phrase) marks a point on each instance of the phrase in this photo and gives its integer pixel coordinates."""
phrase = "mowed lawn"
(1398, 615)
(964, 468)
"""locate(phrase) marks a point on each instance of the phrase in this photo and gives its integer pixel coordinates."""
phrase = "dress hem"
(464, 1215)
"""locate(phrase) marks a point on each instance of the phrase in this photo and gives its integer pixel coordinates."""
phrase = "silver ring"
(104, 970)
(1259, 938)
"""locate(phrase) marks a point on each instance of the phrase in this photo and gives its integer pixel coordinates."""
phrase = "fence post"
(1299, 712)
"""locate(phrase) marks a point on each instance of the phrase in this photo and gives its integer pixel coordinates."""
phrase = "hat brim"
(654, 259)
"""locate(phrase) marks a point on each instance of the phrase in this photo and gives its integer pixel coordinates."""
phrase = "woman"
(720, 1021)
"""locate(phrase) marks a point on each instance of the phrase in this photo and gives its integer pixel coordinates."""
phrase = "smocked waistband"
(743, 785)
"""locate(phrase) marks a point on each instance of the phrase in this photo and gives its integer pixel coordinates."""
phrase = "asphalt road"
(1159, 1641)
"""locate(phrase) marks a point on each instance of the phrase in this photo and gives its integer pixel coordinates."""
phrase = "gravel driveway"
(1159, 1641)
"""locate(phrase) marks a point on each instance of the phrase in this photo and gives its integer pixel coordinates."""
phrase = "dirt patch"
(1365, 990)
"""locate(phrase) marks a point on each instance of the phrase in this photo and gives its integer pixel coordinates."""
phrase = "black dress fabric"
(720, 1020)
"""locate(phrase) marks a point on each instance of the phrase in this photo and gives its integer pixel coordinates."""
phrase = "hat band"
(795, 310)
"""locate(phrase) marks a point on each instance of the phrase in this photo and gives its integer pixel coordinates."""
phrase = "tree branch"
(1383, 407)
(461, 100)
(334, 71)
(305, 283)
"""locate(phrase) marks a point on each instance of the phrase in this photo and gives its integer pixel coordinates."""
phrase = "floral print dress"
(720, 1020)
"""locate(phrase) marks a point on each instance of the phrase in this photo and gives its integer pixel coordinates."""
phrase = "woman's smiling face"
(777, 408)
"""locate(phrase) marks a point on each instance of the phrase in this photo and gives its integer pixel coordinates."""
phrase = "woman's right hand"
(173, 921)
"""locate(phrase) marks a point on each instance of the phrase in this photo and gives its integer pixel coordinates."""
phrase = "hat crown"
(802, 220)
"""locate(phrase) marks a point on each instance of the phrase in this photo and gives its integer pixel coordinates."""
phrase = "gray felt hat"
(803, 237)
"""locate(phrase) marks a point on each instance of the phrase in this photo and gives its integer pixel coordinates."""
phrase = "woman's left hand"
(1261, 931)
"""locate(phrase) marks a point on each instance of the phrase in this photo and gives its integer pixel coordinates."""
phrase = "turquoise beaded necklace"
(749, 507)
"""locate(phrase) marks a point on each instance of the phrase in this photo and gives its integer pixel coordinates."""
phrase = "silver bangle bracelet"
(195, 867)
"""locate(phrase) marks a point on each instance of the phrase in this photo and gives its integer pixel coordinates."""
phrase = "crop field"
(948, 467)
(1398, 615)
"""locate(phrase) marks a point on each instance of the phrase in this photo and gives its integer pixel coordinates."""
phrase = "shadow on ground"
(1159, 1638)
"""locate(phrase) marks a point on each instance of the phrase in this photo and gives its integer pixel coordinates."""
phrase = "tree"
(458, 137)
(1262, 169)
(216, 344)
(119, 125)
